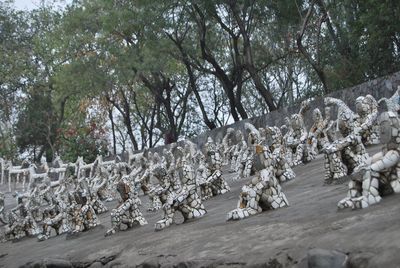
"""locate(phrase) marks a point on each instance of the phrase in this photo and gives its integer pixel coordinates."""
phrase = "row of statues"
(67, 198)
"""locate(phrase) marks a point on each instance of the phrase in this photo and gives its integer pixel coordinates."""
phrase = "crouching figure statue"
(380, 173)
(262, 193)
(127, 212)
(174, 198)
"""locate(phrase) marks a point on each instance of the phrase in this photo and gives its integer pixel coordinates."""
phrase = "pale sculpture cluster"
(68, 197)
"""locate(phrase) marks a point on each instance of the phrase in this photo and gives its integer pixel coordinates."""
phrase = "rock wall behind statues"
(378, 88)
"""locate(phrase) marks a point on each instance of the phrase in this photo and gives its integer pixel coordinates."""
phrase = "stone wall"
(379, 88)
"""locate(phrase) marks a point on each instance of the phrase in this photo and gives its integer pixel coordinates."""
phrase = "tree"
(162, 71)
(37, 126)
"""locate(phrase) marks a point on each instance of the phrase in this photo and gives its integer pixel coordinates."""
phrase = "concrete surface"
(281, 238)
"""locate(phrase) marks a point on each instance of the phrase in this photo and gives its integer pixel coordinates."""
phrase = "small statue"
(127, 212)
(262, 193)
(367, 111)
(215, 180)
(83, 215)
(55, 217)
(344, 155)
(296, 136)
(318, 136)
(3, 218)
(393, 103)
(380, 173)
(277, 152)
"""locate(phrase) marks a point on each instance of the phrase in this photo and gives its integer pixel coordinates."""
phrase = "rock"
(178, 217)
(196, 213)
(150, 263)
(57, 263)
(360, 260)
(106, 259)
(321, 258)
(274, 205)
(71, 235)
(187, 264)
(240, 213)
(49, 263)
(96, 265)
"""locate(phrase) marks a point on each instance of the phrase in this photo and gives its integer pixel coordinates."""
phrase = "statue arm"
(305, 106)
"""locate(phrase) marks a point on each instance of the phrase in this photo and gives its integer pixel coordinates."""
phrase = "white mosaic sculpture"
(59, 168)
(43, 191)
(127, 212)
(215, 180)
(228, 146)
(380, 173)
(20, 221)
(54, 218)
(83, 215)
(168, 161)
(202, 174)
(393, 103)
(97, 184)
(296, 137)
(367, 111)
(174, 198)
(344, 155)
(318, 136)
(144, 179)
(188, 200)
(15, 228)
(3, 218)
(262, 193)
(277, 152)
(17, 174)
(237, 151)
(2, 170)
(246, 164)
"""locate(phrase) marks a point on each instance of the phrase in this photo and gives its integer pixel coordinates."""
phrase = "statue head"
(389, 128)
(123, 189)
(159, 171)
(156, 158)
(345, 123)
(317, 115)
(239, 135)
(296, 121)
(360, 105)
(209, 146)
(230, 130)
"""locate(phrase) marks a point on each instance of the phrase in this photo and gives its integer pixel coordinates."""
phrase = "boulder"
(322, 258)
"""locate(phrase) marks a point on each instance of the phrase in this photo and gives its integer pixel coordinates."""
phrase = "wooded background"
(101, 76)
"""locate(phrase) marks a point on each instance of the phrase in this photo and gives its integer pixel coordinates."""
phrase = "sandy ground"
(279, 238)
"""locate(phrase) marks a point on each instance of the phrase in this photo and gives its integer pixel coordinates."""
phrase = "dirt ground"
(280, 238)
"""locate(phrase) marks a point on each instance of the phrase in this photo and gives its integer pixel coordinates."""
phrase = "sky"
(32, 4)
(26, 4)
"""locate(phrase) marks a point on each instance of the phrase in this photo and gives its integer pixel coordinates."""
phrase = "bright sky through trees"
(33, 4)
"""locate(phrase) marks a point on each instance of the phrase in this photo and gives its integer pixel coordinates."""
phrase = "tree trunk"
(158, 86)
(319, 70)
(248, 58)
(129, 129)
(110, 116)
(227, 84)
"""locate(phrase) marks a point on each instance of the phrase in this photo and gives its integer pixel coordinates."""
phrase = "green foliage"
(365, 44)
(8, 147)
(14, 51)
(37, 123)
(54, 62)
(83, 140)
